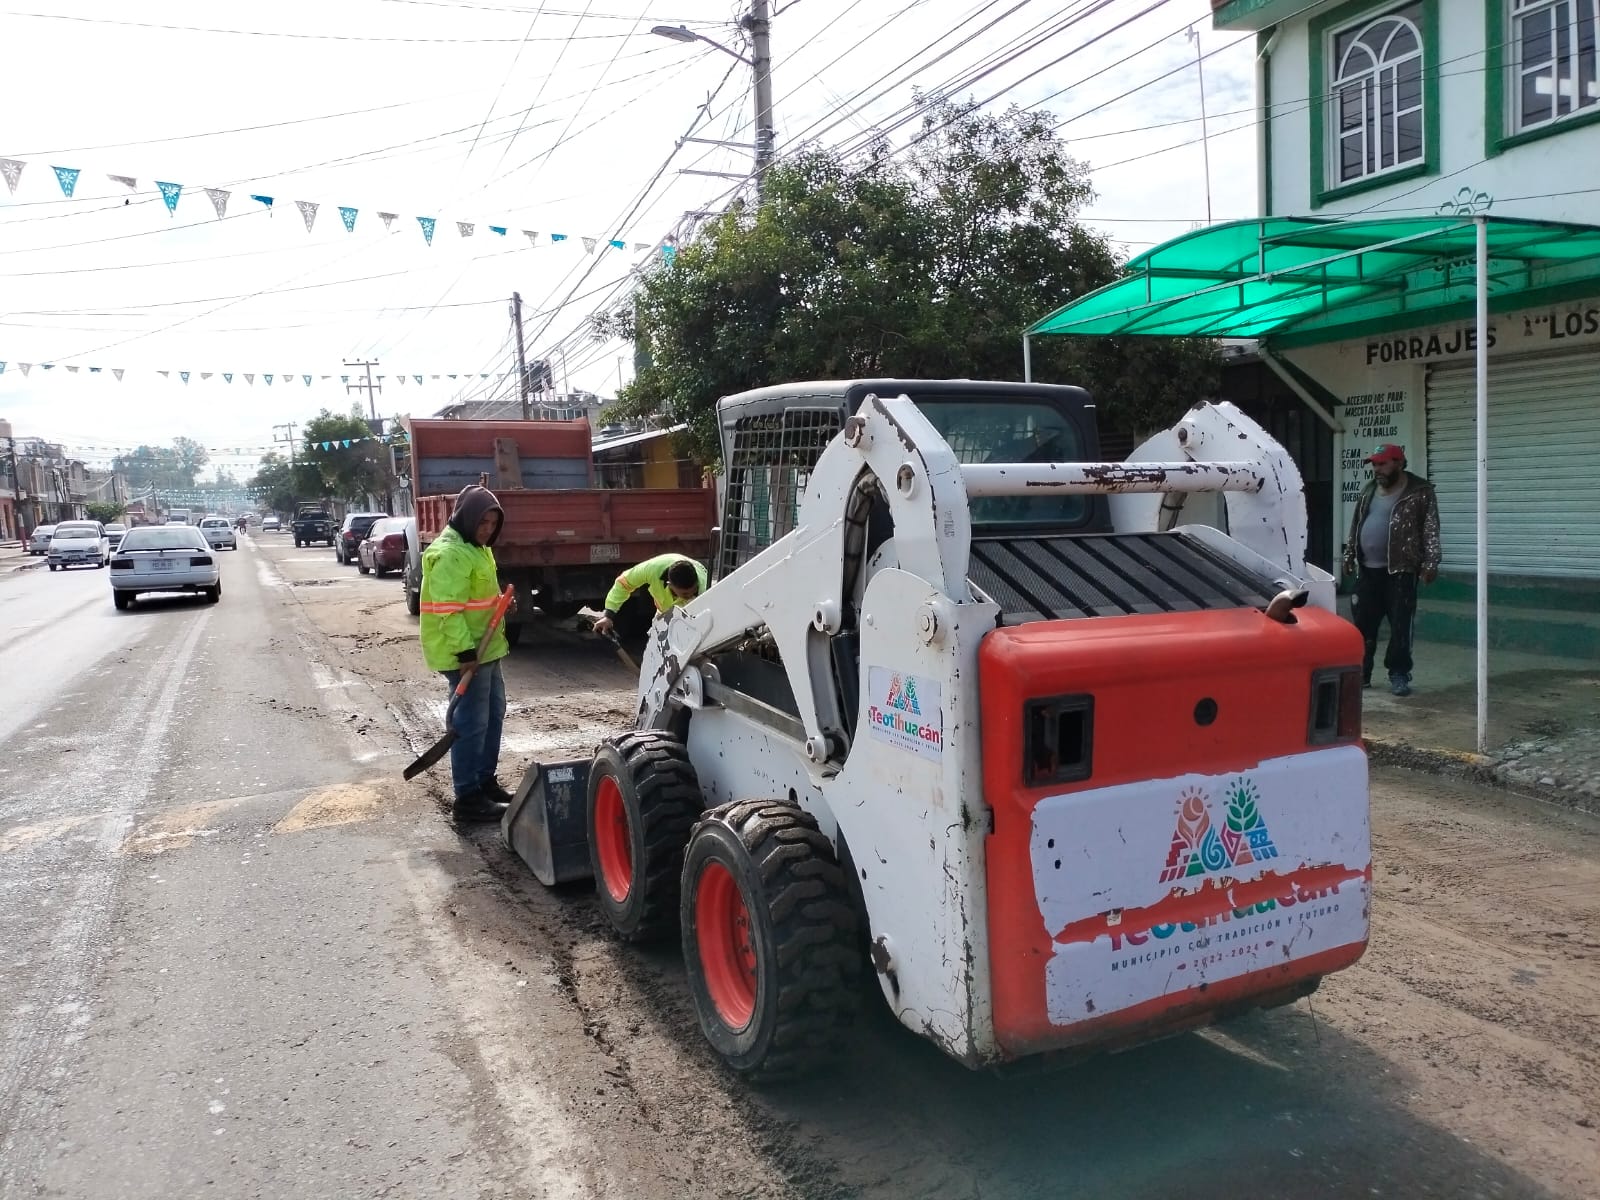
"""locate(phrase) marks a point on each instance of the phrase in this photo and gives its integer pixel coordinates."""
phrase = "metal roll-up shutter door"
(1544, 464)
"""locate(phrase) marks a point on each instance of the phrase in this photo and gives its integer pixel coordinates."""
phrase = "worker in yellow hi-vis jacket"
(666, 581)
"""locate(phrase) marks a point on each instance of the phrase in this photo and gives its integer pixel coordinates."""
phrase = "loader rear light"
(200, 560)
(1335, 706)
(1058, 740)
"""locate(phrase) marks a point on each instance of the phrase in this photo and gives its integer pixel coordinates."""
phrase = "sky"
(562, 117)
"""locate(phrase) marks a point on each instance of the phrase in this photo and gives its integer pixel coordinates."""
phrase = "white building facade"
(1453, 108)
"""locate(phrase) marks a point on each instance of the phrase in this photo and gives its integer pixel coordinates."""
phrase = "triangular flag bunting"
(127, 181)
(268, 378)
(641, 246)
(347, 443)
(12, 170)
(344, 379)
(48, 366)
(588, 245)
(558, 237)
(500, 229)
(427, 228)
(183, 375)
(667, 252)
(402, 379)
(267, 200)
(533, 238)
(206, 374)
(169, 193)
(117, 371)
(388, 219)
(219, 200)
(308, 210)
(435, 377)
(2, 368)
(25, 368)
(619, 244)
(227, 377)
(92, 370)
(165, 374)
(418, 378)
(72, 370)
(67, 177)
(452, 377)
(348, 216)
(464, 228)
(307, 378)
(324, 376)
(249, 378)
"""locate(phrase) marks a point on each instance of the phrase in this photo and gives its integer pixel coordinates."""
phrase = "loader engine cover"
(1180, 824)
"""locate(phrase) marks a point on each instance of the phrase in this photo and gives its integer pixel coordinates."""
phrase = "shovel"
(616, 644)
(438, 750)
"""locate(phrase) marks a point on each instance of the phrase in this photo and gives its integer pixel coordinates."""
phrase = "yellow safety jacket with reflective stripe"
(459, 588)
(650, 574)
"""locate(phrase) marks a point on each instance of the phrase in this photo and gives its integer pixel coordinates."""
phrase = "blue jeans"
(479, 718)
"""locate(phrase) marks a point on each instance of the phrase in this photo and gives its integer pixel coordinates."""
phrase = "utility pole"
(759, 24)
(287, 437)
(371, 389)
(522, 359)
(1205, 138)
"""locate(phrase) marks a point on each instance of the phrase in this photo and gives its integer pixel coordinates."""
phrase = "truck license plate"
(605, 552)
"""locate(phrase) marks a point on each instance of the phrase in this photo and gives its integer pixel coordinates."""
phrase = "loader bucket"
(547, 823)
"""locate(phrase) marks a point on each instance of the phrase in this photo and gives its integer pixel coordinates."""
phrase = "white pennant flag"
(206, 374)
(388, 219)
(533, 238)
(219, 200)
(11, 168)
(588, 245)
(127, 181)
(117, 371)
(308, 210)
(72, 369)
(249, 378)
(464, 228)
(25, 368)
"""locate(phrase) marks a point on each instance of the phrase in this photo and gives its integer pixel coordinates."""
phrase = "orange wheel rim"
(611, 838)
(727, 949)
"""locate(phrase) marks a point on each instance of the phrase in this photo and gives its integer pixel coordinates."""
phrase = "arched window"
(1377, 112)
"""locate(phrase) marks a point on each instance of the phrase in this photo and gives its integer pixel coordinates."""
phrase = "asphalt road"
(239, 957)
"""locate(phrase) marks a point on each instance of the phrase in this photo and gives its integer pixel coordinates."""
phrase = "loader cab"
(772, 438)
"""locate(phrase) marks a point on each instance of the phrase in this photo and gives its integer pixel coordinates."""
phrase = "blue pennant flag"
(558, 237)
(169, 193)
(347, 443)
(183, 375)
(418, 378)
(268, 378)
(667, 252)
(427, 228)
(227, 377)
(92, 370)
(67, 177)
(48, 366)
(267, 200)
(307, 378)
(618, 244)
(500, 229)
(2, 368)
(349, 217)
(483, 375)
(324, 445)
(452, 377)
(344, 379)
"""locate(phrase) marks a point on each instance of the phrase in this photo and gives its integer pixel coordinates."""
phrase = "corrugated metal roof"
(633, 439)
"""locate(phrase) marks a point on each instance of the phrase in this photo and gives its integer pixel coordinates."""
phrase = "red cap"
(1387, 454)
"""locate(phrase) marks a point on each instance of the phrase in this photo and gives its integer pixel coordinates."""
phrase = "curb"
(1475, 768)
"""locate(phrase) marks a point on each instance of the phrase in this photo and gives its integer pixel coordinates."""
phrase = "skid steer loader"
(1066, 753)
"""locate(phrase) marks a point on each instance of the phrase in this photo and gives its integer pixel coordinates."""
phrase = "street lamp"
(758, 22)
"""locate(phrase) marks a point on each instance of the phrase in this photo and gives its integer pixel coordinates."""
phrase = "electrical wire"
(315, 37)
(500, 91)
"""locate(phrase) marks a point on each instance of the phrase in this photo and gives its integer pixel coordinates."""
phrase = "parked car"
(271, 524)
(168, 558)
(114, 532)
(79, 544)
(384, 548)
(411, 581)
(219, 534)
(348, 540)
(39, 540)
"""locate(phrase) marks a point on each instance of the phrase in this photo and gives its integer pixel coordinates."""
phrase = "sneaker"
(1399, 685)
(492, 789)
(475, 808)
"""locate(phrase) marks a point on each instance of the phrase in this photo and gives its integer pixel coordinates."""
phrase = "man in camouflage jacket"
(1394, 541)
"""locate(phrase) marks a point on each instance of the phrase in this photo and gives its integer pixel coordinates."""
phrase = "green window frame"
(1503, 78)
(1325, 186)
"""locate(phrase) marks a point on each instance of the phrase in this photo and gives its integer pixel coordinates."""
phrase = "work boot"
(1400, 685)
(492, 789)
(476, 808)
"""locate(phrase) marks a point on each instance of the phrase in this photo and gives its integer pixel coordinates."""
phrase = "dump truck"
(1065, 754)
(564, 539)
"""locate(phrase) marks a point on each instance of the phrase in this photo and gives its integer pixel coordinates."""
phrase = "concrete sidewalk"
(14, 558)
(1543, 730)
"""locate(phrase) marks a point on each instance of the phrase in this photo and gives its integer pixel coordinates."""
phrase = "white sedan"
(79, 543)
(219, 533)
(166, 558)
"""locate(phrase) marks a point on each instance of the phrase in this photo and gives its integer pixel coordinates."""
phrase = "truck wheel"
(769, 937)
(414, 604)
(643, 797)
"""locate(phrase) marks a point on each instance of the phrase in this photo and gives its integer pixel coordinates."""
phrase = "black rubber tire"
(52, 566)
(414, 604)
(213, 594)
(361, 566)
(661, 798)
(378, 571)
(803, 930)
(121, 600)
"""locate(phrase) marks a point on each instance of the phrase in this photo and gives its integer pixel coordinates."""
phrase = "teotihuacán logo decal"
(1201, 846)
(903, 695)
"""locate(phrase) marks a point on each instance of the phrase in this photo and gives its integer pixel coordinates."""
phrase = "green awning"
(1302, 279)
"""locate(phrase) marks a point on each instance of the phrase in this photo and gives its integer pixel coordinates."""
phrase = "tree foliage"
(174, 466)
(348, 472)
(104, 511)
(927, 263)
(282, 485)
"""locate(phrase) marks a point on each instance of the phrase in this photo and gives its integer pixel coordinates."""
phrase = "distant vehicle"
(411, 581)
(355, 528)
(271, 524)
(219, 533)
(39, 542)
(179, 516)
(169, 558)
(114, 533)
(313, 523)
(384, 548)
(79, 544)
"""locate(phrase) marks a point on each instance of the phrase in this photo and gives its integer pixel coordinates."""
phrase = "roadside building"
(649, 458)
